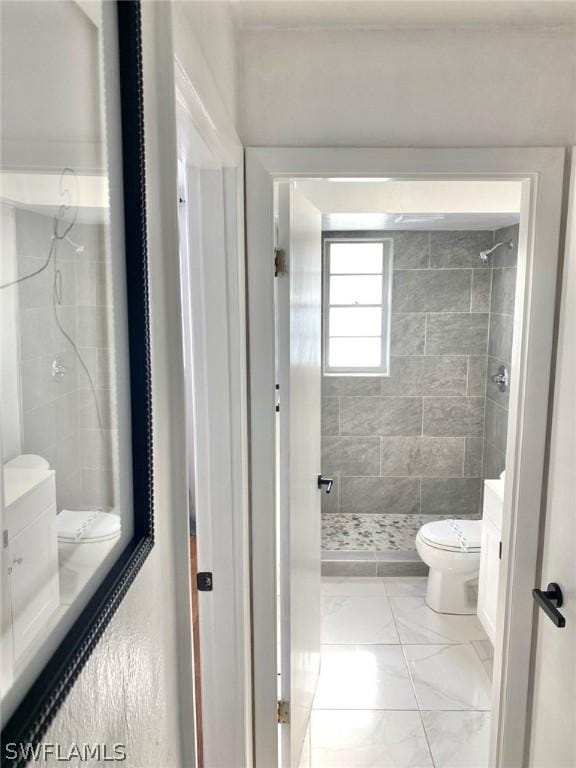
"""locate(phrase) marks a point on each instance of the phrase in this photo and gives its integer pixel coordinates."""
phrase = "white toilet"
(84, 540)
(451, 548)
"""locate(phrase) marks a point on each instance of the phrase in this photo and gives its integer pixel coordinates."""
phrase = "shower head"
(78, 247)
(484, 254)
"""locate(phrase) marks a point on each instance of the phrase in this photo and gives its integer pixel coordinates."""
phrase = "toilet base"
(449, 592)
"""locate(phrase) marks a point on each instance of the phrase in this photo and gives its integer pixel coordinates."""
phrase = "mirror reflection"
(63, 397)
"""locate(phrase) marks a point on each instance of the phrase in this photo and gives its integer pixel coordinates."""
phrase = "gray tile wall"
(58, 414)
(501, 315)
(408, 448)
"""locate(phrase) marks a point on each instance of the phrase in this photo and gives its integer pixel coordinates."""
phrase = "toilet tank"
(489, 576)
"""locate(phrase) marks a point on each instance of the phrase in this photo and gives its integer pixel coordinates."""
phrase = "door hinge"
(280, 266)
(283, 712)
(499, 550)
(5, 538)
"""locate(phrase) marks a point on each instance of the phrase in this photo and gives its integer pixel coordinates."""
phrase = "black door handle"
(325, 481)
(547, 598)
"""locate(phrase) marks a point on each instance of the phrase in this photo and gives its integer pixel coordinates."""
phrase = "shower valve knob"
(58, 370)
(501, 378)
(326, 482)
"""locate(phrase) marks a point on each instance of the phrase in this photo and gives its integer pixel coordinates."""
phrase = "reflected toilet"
(85, 537)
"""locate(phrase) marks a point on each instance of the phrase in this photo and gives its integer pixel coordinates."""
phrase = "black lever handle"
(547, 598)
(325, 481)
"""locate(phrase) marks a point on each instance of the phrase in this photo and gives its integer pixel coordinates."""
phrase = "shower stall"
(414, 446)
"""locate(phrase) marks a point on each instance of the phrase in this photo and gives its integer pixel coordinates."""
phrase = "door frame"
(540, 171)
(211, 191)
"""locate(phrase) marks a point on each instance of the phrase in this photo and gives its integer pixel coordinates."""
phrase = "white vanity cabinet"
(29, 554)
(489, 575)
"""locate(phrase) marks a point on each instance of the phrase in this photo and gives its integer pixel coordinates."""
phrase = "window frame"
(386, 306)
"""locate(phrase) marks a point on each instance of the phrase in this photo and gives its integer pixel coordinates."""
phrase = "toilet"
(451, 549)
(85, 537)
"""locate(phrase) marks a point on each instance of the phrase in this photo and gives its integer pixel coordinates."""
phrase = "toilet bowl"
(451, 549)
(84, 540)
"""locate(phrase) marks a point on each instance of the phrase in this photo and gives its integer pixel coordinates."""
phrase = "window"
(357, 291)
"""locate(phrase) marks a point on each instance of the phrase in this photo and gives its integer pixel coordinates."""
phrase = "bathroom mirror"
(75, 415)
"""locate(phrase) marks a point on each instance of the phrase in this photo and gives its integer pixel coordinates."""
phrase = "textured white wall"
(129, 691)
(408, 87)
(211, 25)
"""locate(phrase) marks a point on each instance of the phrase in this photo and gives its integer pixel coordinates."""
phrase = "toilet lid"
(87, 525)
(453, 535)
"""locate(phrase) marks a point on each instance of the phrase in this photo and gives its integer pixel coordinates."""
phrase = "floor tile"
(405, 586)
(360, 587)
(449, 677)
(485, 651)
(364, 677)
(417, 623)
(368, 739)
(306, 755)
(357, 620)
(458, 739)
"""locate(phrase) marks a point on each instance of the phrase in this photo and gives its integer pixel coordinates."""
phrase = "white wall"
(408, 87)
(39, 43)
(133, 689)
(552, 741)
(210, 25)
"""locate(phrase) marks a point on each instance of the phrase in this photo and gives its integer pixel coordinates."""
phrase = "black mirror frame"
(42, 701)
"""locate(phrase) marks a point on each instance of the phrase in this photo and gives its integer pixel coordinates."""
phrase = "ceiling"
(418, 204)
(425, 222)
(375, 14)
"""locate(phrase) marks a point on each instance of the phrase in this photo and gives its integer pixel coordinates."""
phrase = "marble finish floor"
(400, 686)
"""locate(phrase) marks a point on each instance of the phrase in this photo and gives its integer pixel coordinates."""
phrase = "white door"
(553, 732)
(298, 302)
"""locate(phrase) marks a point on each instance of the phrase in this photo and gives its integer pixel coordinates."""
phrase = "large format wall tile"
(408, 333)
(421, 456)
(459, 333)
(493, 391)
(503, 291)
(501, 332)
(380, 494)
(335, 386)
(459, 249)
(381, 416)
(481, 290)
(454, 416)
(504, 256)
(493, 461)
(473, 456)
(411, 250)
(421, 375)
(476, 385)
(496, 427)
(454, 495)
(330, 416)
(432, 290)
(351, 455)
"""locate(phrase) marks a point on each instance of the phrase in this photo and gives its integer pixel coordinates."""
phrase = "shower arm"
(484, 254)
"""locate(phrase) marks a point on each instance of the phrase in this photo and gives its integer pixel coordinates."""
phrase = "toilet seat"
(87, 526)
(462, 536)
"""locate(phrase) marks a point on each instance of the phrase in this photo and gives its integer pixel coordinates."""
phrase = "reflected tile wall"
(58, 413)
(409, 447)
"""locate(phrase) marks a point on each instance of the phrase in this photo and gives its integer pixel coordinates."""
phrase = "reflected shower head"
(484, 254)
(78, 247)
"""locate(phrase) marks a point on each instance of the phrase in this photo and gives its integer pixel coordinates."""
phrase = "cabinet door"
(34, 579)
(488, 577)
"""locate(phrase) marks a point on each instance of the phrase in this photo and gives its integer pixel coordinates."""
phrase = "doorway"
(426, 436)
